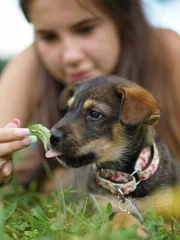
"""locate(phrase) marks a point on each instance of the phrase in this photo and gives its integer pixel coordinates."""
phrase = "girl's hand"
(12, 138)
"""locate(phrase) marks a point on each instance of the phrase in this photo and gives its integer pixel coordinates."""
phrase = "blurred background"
(16, 33)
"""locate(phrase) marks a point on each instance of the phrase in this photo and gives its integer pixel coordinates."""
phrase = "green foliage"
(2, 64)
(32, 215)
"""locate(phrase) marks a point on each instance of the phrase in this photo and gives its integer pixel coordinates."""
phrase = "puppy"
(108, 124)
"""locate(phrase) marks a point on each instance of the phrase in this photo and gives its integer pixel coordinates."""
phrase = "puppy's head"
(97, 115)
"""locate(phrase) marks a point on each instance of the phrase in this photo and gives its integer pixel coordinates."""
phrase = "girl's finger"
(14, 123)
(2, 163)
(7, 170)
(4, 160)
(9, 134)
(7, 148)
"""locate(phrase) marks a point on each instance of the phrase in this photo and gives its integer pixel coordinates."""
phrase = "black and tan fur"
(109, 120)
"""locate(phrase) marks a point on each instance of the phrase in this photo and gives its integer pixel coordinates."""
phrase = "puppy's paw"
(122, 219)
(143, 232)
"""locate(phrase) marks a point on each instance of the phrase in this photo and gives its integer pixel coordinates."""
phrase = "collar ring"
(135, 171)
(120, 194)
(132, 175)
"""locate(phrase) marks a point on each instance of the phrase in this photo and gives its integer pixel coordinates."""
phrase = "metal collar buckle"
(125, 205)
(132, 175)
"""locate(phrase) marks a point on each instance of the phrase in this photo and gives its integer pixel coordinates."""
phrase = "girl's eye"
(93, 115)
(50, 37)
(86, 29)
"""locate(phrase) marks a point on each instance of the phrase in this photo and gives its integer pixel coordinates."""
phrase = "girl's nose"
(72, 53)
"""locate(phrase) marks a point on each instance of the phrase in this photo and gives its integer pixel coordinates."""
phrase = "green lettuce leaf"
(42, 132)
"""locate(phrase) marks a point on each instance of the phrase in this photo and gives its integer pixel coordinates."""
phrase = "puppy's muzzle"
(57, 136)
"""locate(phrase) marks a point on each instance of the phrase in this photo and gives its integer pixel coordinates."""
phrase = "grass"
(33, 215)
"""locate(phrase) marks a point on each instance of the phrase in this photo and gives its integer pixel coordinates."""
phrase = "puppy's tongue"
(52, 153)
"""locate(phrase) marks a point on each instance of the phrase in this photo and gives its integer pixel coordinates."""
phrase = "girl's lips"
(80, 76)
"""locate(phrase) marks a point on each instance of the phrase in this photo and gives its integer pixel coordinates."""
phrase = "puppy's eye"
(64, 111)
(93, 115)
(67, 108)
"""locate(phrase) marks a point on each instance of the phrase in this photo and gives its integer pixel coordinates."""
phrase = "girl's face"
(75, 40)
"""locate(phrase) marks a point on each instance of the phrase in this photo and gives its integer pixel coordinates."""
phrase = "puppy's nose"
(57, 136)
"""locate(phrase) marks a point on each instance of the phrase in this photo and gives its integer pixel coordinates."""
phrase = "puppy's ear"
(66, 94)
(138, 106)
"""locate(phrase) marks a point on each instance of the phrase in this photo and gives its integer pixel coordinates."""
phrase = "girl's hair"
(143, 59)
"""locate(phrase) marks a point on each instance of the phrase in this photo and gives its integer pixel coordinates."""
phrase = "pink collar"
(111, 179)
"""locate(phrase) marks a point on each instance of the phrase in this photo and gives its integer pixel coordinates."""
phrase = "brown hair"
(144, 59)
